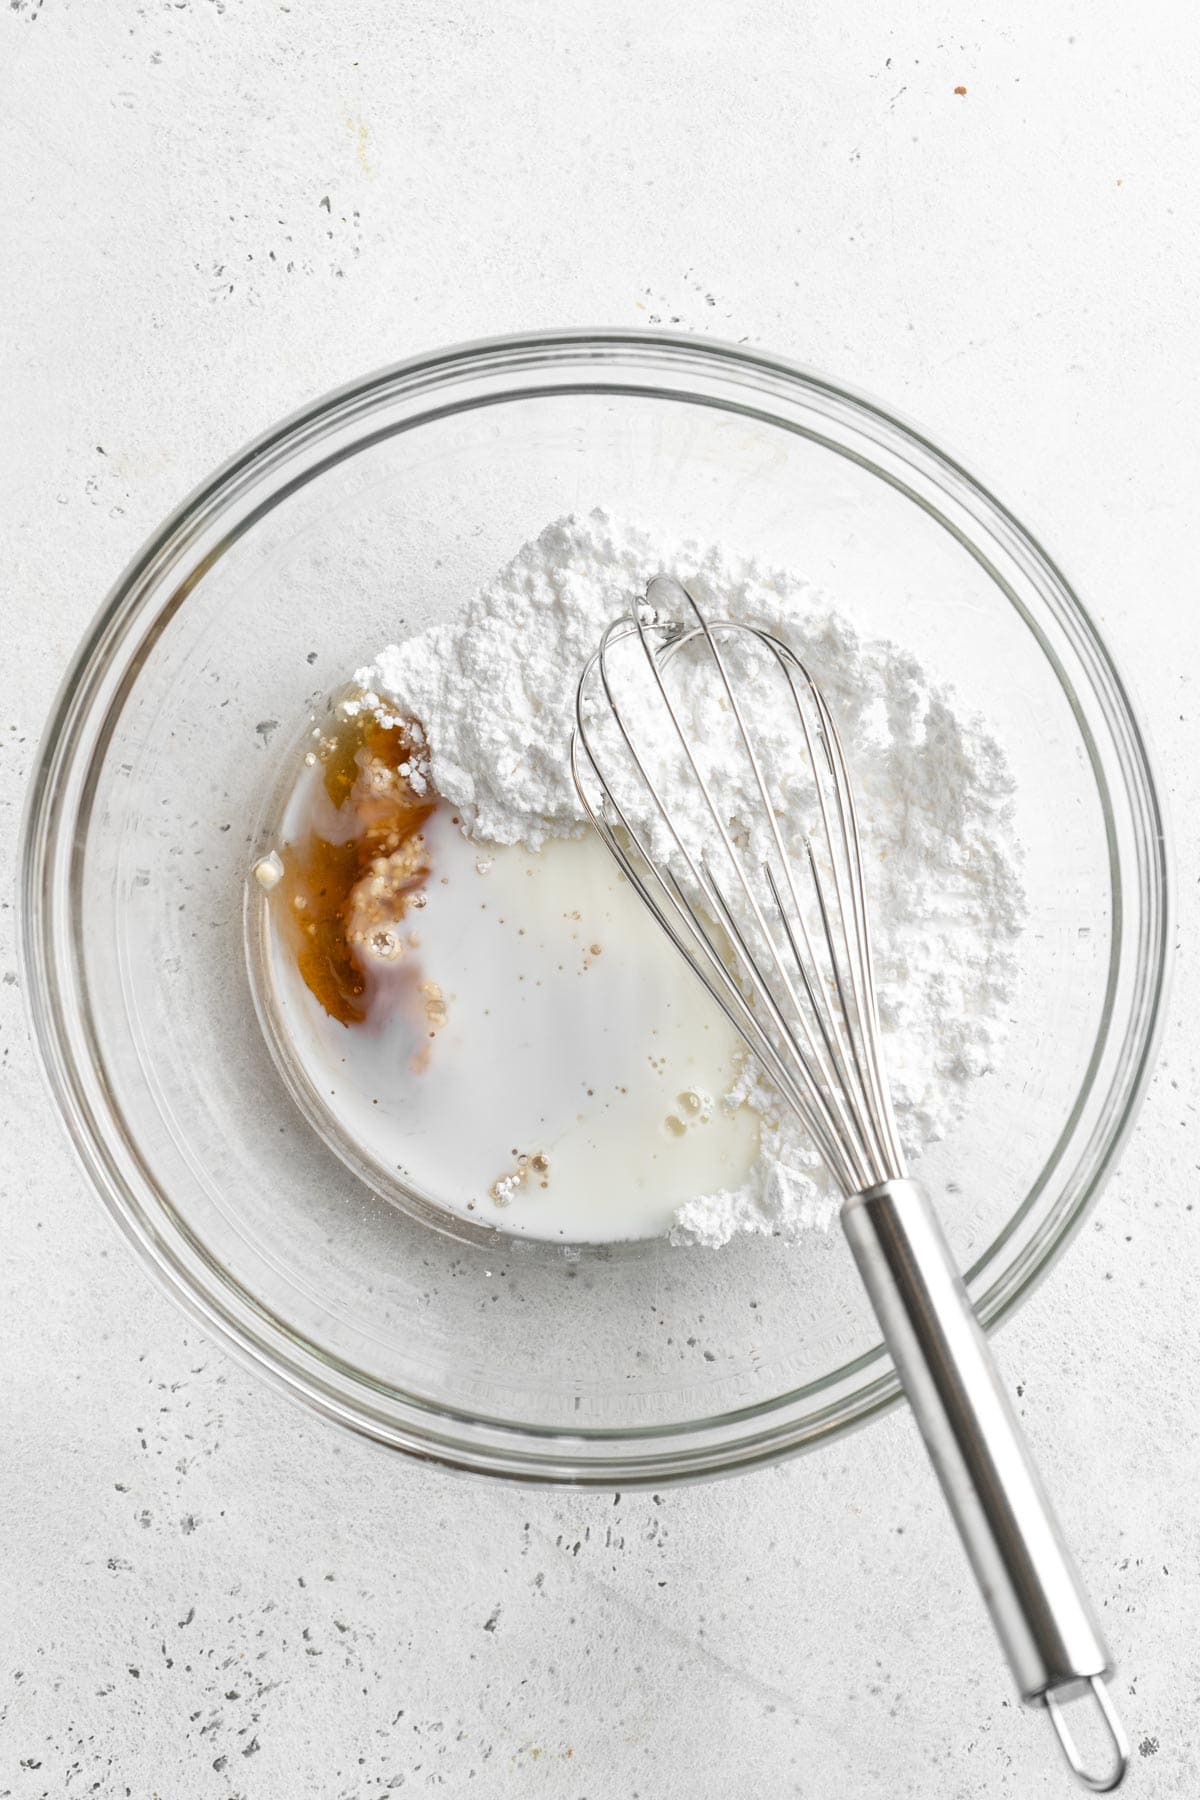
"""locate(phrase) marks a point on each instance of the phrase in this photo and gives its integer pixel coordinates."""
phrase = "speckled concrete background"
(215, 209)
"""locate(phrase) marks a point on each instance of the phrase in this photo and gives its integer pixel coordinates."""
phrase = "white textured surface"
(208, 1594)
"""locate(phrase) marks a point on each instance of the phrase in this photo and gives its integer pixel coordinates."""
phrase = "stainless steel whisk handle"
(1038, 1607)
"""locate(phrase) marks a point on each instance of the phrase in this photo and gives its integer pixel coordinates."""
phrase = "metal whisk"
(776, 926)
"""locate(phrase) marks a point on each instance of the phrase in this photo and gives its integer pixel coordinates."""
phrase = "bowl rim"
(475, 1443)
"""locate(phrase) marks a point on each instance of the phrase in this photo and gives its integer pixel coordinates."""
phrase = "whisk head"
(709, 762)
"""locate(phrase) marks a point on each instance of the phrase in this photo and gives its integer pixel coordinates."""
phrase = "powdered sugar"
(495, 691)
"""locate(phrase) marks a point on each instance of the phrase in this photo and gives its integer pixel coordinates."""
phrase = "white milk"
(573, 1035)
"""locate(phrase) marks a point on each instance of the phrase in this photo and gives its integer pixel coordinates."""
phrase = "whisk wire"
(868, 1125)
(825, 1106)
(685, 931)
(859, 939)
(689, 941)
(654, 664)
(830, 1035)
(810, 1014)
(825, 1093)
(854, 1001)
(828, 1084)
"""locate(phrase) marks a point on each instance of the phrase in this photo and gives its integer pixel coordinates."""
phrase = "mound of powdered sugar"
(494, 689)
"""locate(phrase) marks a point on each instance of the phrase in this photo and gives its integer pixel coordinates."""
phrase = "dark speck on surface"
(1148, 1747)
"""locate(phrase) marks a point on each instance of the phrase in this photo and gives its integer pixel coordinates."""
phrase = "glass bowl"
(365, 517)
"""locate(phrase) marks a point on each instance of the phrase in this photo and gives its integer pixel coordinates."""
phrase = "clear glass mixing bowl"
(365, 517)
